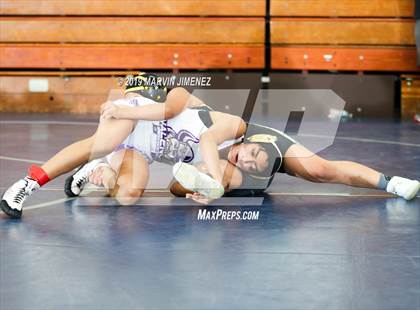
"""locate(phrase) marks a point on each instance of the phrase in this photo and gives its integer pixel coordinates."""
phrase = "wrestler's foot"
(75, 183)
(403, 187)
(13, 199)
(191, 178)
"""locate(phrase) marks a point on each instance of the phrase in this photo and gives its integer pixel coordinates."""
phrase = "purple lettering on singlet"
(175, 146)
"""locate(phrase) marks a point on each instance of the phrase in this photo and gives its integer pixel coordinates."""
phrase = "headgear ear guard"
(148, 85)
(273, 151)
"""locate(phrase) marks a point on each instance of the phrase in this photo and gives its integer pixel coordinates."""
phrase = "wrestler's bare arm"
(176, 101)
(225, 127)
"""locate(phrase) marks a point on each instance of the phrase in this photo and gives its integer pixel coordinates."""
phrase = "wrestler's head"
(259, 155)
(250, 157)
(259, 159)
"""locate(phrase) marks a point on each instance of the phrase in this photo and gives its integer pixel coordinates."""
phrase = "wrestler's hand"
(110, 110)
(103, 176)
(197, 197)
(96, 176)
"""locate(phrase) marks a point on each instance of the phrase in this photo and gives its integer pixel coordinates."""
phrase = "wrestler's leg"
(301, 162)
(108, 136)
(127, 176)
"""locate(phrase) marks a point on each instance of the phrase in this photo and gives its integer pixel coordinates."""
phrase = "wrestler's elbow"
(176, 101)
(170, 112)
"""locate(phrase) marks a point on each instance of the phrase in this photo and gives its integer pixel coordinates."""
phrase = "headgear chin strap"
(271, 140)
(147, 85)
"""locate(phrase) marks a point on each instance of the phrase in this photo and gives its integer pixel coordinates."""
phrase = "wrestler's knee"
(322, 171)
(128, 195)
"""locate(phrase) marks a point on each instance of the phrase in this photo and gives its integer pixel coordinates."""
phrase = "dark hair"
(148, 85)
(274, 160)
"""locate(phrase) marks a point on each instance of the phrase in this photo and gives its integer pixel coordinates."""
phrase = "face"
(249, 157)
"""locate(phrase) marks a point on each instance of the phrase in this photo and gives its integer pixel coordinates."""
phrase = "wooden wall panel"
(349, 8)
(353, 59)
(133, 30)
(44, 103)
(131, 56)
(134, 7)
(342, 31)
(81, 95)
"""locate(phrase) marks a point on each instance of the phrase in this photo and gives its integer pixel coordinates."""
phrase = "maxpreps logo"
(223, 215)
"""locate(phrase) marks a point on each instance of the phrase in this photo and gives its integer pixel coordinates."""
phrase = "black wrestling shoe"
(75, 183)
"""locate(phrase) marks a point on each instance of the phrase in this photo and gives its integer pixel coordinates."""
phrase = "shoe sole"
(67, 184)
(412, 191)
(191, 178)
(13, 213)
(67, 187)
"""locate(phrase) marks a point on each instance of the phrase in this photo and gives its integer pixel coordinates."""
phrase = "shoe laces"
(21, 194)
(82, 180)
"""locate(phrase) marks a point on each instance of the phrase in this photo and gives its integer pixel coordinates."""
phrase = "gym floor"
(314, 246)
